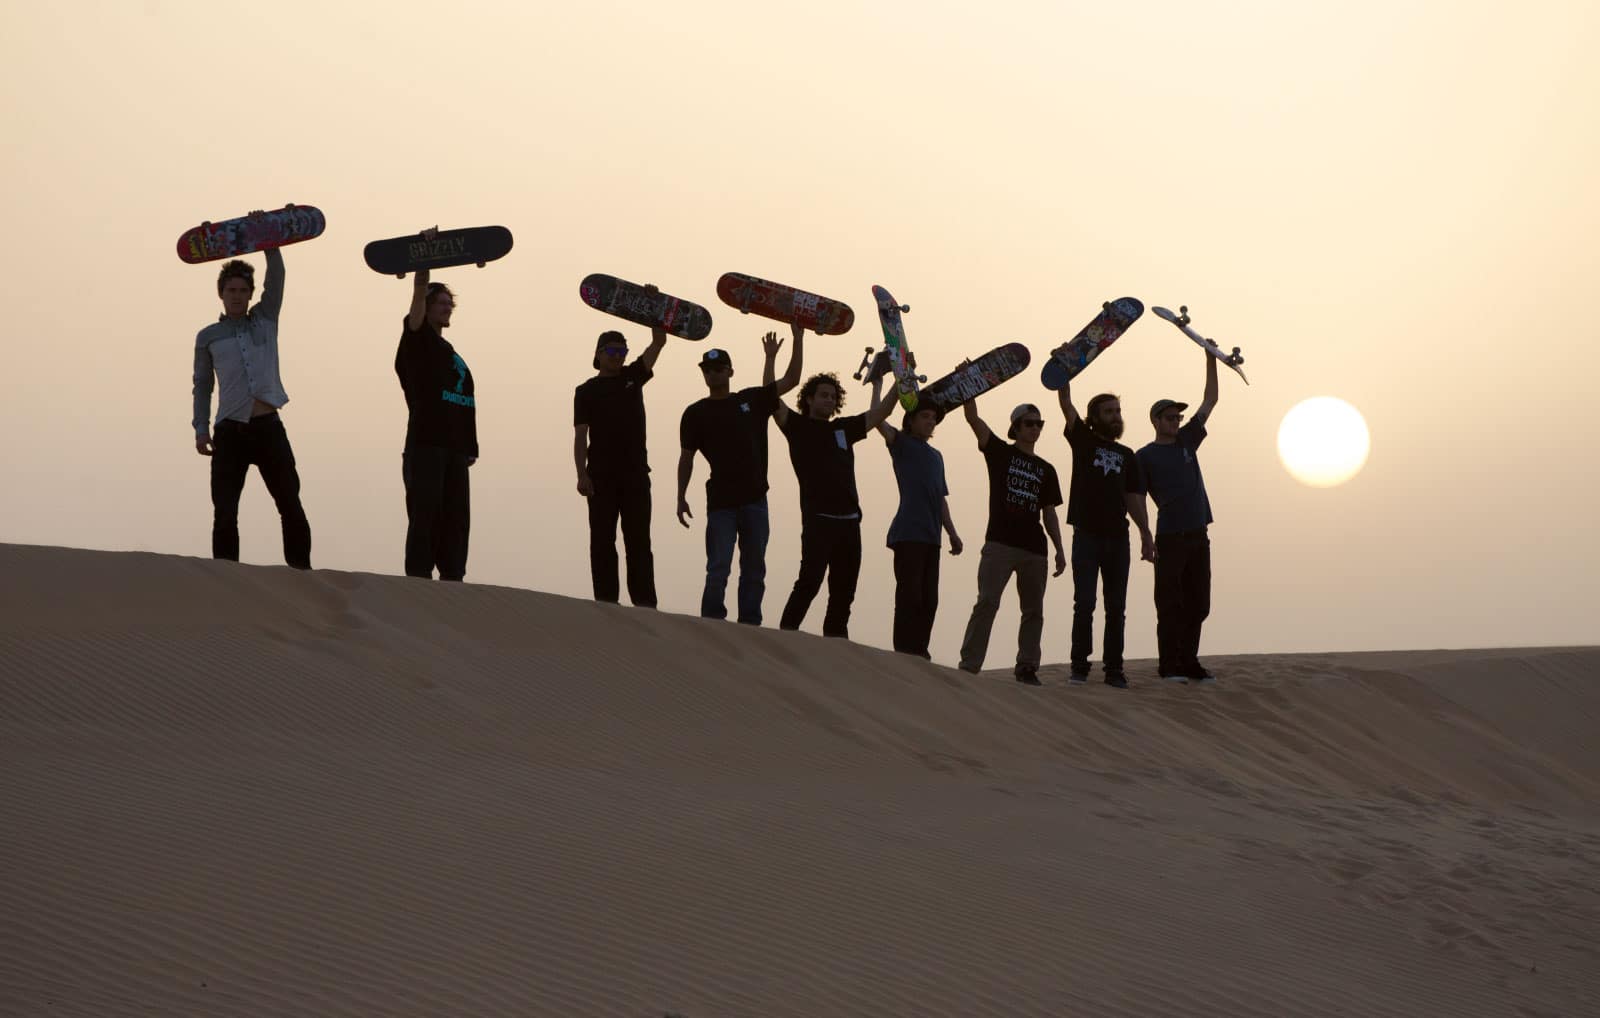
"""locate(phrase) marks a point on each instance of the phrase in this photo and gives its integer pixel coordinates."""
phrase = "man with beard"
(1107, 487)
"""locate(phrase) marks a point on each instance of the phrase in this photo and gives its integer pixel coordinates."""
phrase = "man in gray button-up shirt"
(241, 350)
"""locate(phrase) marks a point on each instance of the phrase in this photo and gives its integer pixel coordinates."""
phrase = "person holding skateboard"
(1171, 466)
(441, 433)
(1107, 487)
(820, 448)
(608, 449)
(730, 429)
(1023, 490)
(238, 355)
(914, 532)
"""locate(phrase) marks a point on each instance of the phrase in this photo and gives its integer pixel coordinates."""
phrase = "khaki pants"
(996, 564)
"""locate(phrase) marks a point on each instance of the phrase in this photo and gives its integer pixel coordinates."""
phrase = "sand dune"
(240, 791)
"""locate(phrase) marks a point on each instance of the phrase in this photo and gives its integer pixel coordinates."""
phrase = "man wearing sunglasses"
(1107, 487)
(613, 470)
(1171, 467)
(1023, 491)
(730, 429)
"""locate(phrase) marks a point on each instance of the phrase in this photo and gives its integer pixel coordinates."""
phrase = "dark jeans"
(261, 443)
(748, 525)
(626, 497)
(831, 547)
(438, 511)
(1183, 599)
(916, 595)
(1106, 558)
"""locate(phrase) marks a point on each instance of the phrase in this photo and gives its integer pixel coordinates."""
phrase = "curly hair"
(236, 269)
(803, 401)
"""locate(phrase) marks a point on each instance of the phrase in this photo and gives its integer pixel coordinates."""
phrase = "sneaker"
(1116, 680)
(1175, 678)
(1203, 679)
(1078, 678)
(1028, 675)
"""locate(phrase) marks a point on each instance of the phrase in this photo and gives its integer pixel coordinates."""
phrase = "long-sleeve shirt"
(242, 353)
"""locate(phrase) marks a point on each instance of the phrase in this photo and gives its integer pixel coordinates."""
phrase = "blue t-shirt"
(1172, 473)
(919, 471)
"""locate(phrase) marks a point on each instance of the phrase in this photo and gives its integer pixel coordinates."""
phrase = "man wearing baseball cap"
(613, 469)
(1023, 491)
(1171, 467)
(730, 429)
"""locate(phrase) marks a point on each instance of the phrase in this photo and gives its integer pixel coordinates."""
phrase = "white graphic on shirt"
(1024, 482)
(744, 408)
(1108, 460)
(838, 436)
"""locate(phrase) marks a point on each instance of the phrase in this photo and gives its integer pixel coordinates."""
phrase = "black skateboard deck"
(632, 302)
(475, 245)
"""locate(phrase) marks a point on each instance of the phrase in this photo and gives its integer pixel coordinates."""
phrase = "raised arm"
(1210, 399)
(419, 298)
(791, 377)
(887, 430)
(881, 408)
(969, 410)
(272, 288)
(1068, 411)
(658, 339)
(770, 345)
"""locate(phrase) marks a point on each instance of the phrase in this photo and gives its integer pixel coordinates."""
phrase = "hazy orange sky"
(1393, 203)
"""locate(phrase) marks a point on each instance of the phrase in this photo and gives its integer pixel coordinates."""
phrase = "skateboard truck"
(1235, 358)
(866, 362)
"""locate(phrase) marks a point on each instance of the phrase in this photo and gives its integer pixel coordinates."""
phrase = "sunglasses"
(1039, 423)
(614, 351)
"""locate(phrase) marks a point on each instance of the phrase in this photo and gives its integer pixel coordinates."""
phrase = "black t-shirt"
(825, 462)
(732, 435)
(439, 392)
(613, 408)
(1103, 471)
(1020, 485)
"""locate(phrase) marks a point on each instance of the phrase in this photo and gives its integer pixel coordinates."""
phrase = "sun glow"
(1323, 441)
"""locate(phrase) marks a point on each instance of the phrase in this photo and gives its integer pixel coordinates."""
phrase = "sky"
(1392, 203)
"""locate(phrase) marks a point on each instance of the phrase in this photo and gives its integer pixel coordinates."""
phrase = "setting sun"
(1323, 441)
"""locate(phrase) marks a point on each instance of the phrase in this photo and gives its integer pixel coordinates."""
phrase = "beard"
(1111, 430)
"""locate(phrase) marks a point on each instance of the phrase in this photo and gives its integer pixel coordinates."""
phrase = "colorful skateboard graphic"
(1074, 355)
(894, 341)
(634, 303)
(875, 364)
(233, 237)
(476, 245)
(1181, 320)
(752, 295)
(976, 378)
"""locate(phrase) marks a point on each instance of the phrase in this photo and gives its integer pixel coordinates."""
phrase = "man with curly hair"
(237, 355)
(822, 452)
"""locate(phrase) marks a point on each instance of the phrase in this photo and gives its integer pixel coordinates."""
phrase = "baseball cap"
(1163, 405)
(1022, 410)
(715, 358)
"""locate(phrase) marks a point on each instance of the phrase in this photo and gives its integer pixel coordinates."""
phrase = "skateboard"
(975, 378)
(894, 343)
(1181, 320)
(875, 364)
(232, 237)
(1074, 355)
(821, 315)
(475, 245)
(634, 303)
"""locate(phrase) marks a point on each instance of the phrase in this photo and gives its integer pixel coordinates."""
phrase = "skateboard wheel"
(399, 275)
(482, 264)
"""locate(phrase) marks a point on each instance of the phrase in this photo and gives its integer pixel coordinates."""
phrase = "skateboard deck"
(1181, 320)
(475, 245)
(634, 303)
(233, 237)
(1067, 360)
(894, 343)
(783, 303)
(972, 380)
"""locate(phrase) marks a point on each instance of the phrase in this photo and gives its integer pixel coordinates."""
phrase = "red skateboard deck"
(752, 295)
(233, 237)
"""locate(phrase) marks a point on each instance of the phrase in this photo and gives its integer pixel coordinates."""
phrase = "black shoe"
(1028, 675)
(1116, 681)
(1078, 678)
